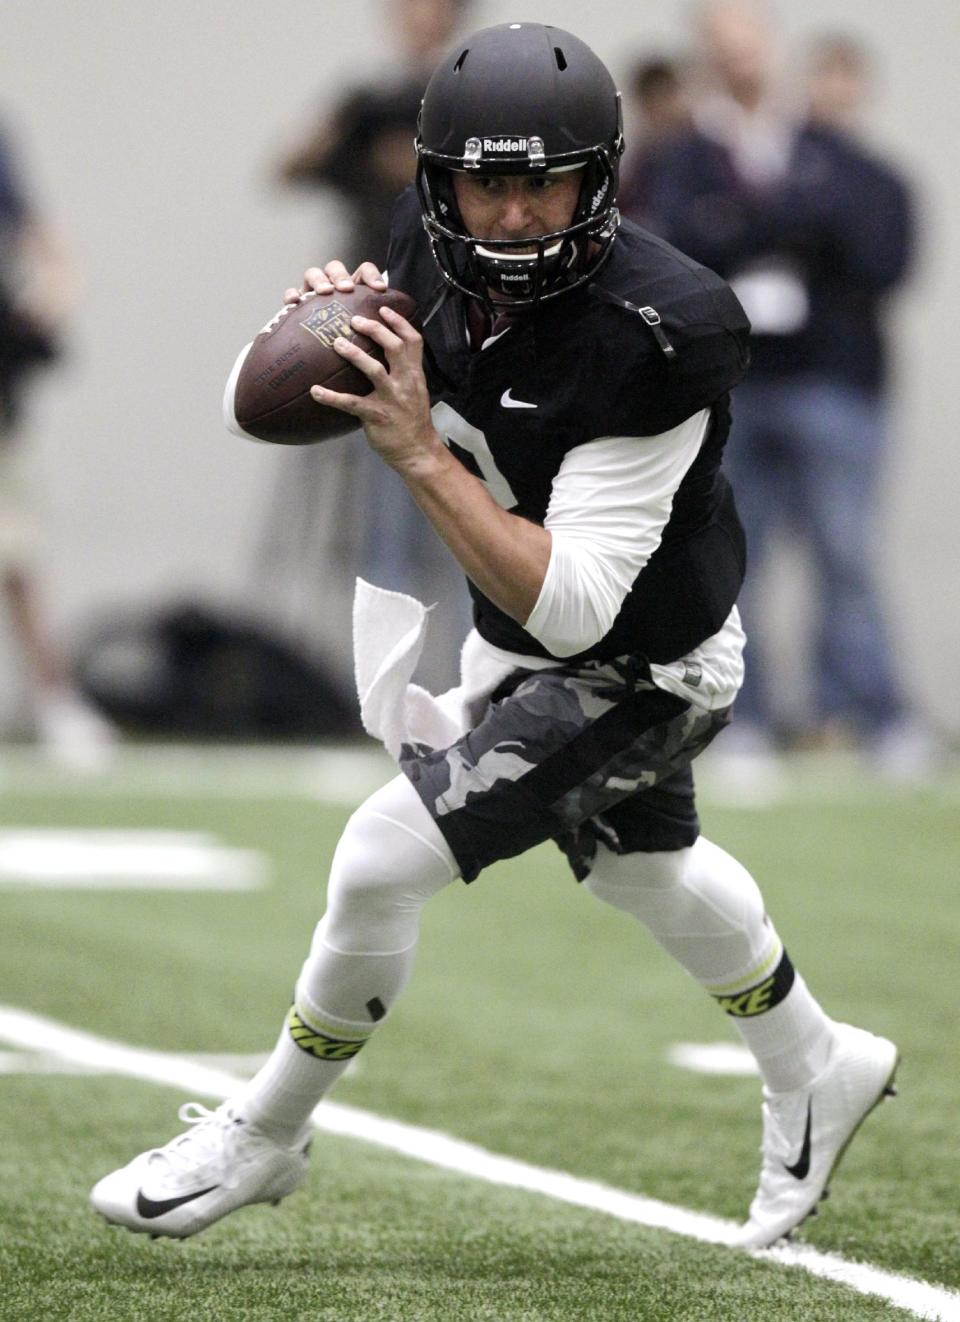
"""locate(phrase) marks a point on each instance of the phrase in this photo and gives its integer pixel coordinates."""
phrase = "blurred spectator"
(38, 286)
(814, 233)
(657, 111)
(838, 82)
(363, 148)
(363, 151)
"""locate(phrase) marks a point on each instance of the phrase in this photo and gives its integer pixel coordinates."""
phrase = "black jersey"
(652, 340)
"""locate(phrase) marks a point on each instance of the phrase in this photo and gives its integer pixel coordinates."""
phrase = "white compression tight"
(390, 860)
(705, 910)
(699, 903)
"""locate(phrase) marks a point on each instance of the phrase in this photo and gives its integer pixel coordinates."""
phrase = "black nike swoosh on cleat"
(801, 1169)
(148, 1209)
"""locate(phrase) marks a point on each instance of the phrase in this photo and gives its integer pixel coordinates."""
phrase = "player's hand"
(396, 415)
(335, 276)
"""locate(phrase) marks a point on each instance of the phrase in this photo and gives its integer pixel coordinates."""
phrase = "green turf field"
(537, 1025)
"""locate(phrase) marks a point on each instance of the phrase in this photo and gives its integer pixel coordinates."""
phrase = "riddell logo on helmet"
(504, 144)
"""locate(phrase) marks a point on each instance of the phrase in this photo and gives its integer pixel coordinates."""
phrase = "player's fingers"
(411, 337)
(370, 368)
(316, 278)
(378, 332)
(338, 277)
(368, 273)
(292, 295)
(345, 403)
(399, 325)
(324, 280)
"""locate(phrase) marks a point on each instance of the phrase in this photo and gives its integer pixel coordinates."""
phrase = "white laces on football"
(209, 1144)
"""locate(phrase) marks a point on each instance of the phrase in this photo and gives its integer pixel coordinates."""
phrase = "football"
(268, 392)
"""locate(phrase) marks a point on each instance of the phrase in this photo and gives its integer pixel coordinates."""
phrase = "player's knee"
(701, 867)
(390, 858)
(372, 861)
(725, 884)
(701, 888)
(616, 879)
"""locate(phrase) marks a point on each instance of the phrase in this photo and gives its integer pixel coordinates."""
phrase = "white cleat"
(219, 1164)
(807, 1131)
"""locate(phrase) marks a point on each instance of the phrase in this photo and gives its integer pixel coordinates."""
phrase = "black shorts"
(573, 755)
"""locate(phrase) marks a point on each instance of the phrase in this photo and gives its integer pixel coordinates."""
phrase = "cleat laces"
(208, 1149)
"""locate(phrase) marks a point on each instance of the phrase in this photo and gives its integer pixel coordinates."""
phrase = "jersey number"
(454, 428)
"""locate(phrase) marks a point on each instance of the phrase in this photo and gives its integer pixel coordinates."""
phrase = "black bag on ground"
(191, 670)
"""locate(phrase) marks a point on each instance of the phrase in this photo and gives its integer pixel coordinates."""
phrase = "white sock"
(705, 910)
(390, 860)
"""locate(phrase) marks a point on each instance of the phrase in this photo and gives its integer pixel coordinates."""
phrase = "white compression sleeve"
(705, 910)
(390, 860)
(609, 505)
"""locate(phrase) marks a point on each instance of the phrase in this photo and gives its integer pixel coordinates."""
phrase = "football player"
(561, 420)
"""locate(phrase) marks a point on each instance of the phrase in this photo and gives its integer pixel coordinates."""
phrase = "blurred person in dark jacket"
(658, 110)
(814, 232)
(363, 148)
(38, 285)
(839, 81)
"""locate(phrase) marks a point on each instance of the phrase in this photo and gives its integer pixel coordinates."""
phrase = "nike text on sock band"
(324, 1046)
(763, 996)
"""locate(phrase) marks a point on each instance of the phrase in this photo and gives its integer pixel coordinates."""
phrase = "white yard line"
(21, 1029)
(97, 859)
(47, 1062)
(712, 1058)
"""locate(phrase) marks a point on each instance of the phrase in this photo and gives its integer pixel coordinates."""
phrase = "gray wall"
(148, 129)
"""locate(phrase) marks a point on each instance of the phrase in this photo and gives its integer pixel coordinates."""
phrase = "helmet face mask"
(564, 112)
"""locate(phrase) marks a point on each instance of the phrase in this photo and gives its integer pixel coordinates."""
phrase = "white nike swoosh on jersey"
(508, 402)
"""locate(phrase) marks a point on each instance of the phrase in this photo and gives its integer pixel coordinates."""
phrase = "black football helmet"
(520, 98)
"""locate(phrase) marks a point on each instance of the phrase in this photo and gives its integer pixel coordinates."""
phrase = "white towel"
(389, 631)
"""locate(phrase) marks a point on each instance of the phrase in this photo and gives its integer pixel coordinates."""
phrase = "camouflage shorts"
(573, 755)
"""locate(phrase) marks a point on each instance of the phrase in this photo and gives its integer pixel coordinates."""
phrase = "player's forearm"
(505, 556)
